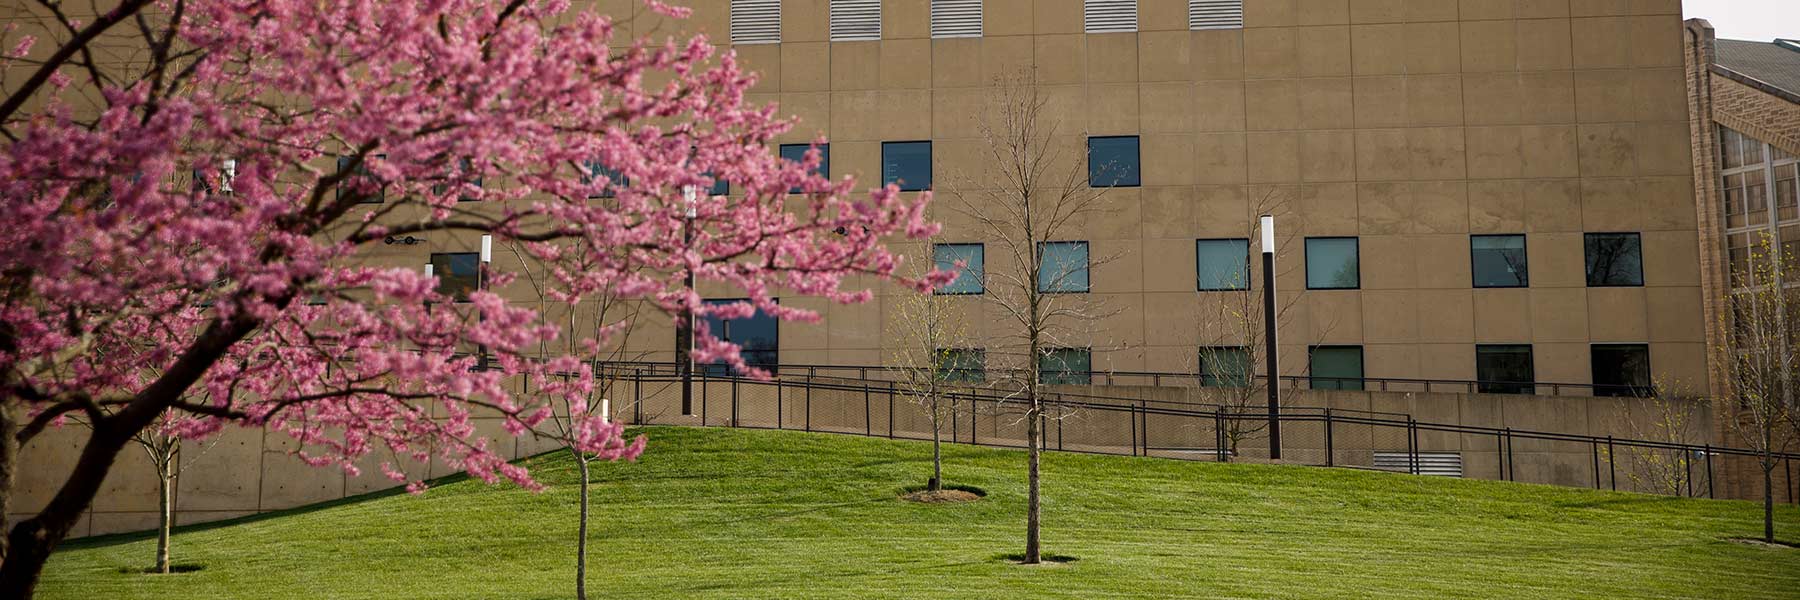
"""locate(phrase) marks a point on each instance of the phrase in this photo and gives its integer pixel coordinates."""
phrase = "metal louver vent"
(1215, 14)
(1111, 16)
(755, 21)
(955, 18)
(1439, 464)
(855, 20)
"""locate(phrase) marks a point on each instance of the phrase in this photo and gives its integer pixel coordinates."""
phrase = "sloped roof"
(1774, 63)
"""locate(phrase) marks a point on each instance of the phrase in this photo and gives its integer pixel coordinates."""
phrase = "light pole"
(685, 349)
(481, 278)
(1271, 350)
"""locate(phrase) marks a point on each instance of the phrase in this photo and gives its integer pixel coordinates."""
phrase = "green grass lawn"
(742, 514)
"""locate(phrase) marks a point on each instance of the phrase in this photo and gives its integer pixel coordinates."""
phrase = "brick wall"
(1756, 113)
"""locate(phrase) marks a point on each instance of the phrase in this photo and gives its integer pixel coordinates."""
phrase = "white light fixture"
(690, 194)
(1268, 234)
(487, 248)
(606, 410)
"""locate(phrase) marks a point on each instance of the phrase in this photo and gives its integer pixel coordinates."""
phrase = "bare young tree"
(1758, 363)
(930, 360)
(1670, 420)
(1031, 202)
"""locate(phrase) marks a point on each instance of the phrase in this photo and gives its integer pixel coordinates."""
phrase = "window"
(907, 164)
(855, 20)
(458, 273)
(1332, 264)
(755, 21)
(1215, 14)
(1110, 16)
(465, 172)
(1222, 265)
(1504, 369)
(606, 178)
(1614, 260)
(1225, 366)
(1063, 267)
(972, 278)
(1621, 369)
(1113, 161)
(955, 18)
(1336, 367)
(758, 338)
(361, 182)
(797, 153)
(1066, 366)
(962, 365)
(1498, 261)
(720, 187)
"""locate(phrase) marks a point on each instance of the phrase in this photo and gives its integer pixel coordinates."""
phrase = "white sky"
(1757, 20)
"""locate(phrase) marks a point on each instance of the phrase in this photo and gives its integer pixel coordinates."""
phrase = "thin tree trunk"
(32, 540)
(9, 452)
(937, 452)
(1032, 553)
(581, 535)
(165, 515)
(1768, 502)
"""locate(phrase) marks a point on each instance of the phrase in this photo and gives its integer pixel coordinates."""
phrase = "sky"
(1757, 20)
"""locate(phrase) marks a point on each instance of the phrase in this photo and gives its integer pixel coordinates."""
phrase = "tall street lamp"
(1271, 350)
(685, 360)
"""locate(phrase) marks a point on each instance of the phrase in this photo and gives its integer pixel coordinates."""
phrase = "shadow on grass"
(1622, 501)
(1048, 558)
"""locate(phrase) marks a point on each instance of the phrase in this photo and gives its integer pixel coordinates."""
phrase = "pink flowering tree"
(208, 206)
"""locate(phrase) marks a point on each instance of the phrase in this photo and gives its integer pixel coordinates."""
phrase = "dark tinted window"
(1504, 369)
(1336, 367)
(1063, 267)
(1113, 161)
(1498, 261)
(1067, 366)
(1222, 264)
(758, 338)
(1332, 264)
(596, 173)
(1621, 369)
(1225, 366)
(1614, 259)
(458, 273)
(969, 281)
(906, 164)
(962, 365)
(797, 153)
(361, 182)
(464, 174)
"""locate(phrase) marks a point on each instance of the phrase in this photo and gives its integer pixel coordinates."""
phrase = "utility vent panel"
(1215, 14)
(755, 21)
(955, 18)
(1439, 464)
(855, 20)
(1111, 16)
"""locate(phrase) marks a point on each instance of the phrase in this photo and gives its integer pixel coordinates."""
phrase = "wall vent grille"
(1111, 16)
(855, 20)
(755, 21)
(1215, 14)
(955, 18)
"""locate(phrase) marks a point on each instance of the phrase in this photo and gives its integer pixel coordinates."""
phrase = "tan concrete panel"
(1611, 205)
(1270, 53)
(1378, 49)
(1547, 97)
(1272, 104)
(1166, 55)
(1323, 51)
(905, 63)
(1443, 261)
(1061, 59)
(1434, 100)
(903, 115)
(1328, 156)
(1491, 98)
(855, 65)
(1004, 57)
(1390, 317)
(1552, 205)
(1334, 317)
(1221, 210)
(1112, 109)
(1601, 42)
(1218, 54)
(1166, 160)
(1559, 315)
(287, 482)
(1438, 153)
(1382, 155)
(900, 20)
(1557, 260)
(1380, 101)
(1502, 315)
(1481, 10)
(1377, 11)
(1385, 208)
(1219, 106)
(1549, 151)
(1652, 41)
(1494, 152)
(1274, 157)
(1170, 268)
(1496, 207)
(1618, 314)
(1543, 9)
(1659, 94)
(1269, 13)
(1604, 95)
(1322, 12)
(800, 63)
(1112, 57)
(1056, 16)
(1120, 218)
(861, 160)
(1398, 361)
(1683, 364)
(765, 61)
(1170, 212)
(805, 21)
(1676, 315)
(107, 522)
(1661, 149)
(956, 62)
(1599, 8)
(1327, 103)
(957, 113)
(1433, 47)
(216, 473)
(1008, 17)
(1608, 150)
(1167, 107)
(1670, 259)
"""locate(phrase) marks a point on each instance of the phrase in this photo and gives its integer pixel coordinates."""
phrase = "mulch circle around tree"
(1762, 544)
(1045, 560)
(175, 569)
(952, 493)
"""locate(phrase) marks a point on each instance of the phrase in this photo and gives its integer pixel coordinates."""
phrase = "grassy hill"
(741, 514)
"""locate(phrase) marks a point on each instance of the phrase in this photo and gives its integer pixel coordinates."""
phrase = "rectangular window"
(1225, 366)
(1063, 267)
(1614, 260)
(1113, 161)
(361, 182)
(1066, 366)
(1621, 370)
(1498, 261)
(1504, 369)
(755, 21)
(464, 174)
(1222, 265)
(797, 153)
(955, 18)
(1110, 16)
(855, 20)
(1215, 14)
(719, 187)
(971, 280)
(604, 181)
(962, 365)
(1336, 368)
(906, 164)
(458, 273)
(758, 338)
(1333, 264)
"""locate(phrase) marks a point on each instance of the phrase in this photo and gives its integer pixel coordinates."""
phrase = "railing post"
(1219, 434)
(704, 399)
(637, 397)
(1512, 469)
(778, 406)
(890, 410)
(1134, 422)
(1709, 472)
(868, 420)
(1612, 464)
(972, 423)
(1412, 445)
(809, 387)
(1594, 446)
(1144, 425)
(1687, 464)
(1330, 459)
(1059, 445)
(734, 401)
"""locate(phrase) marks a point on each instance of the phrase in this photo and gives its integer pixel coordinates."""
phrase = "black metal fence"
(804, 399)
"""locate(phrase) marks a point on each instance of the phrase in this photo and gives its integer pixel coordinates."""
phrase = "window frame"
(930, 175)
(1524, 247)
(949, 374)
(1245, 286)
(824, 170)
(1587, 261)
(1137, 167)
(979, 270)
(1210, 379)
(444, 273)
(362, 172)
(1068, 377)
(1087, 267)
(1613, 390)
(1306, 249)
(1487, 385)
(1337, 383)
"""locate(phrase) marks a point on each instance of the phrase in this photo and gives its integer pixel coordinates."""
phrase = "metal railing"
(799, 398)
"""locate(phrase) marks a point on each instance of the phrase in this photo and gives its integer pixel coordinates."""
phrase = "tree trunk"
(937, 452)
(165, 515)
(9, 453)
(32, 540)
(1769, 502)
(581, 535)
(1032, 433)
